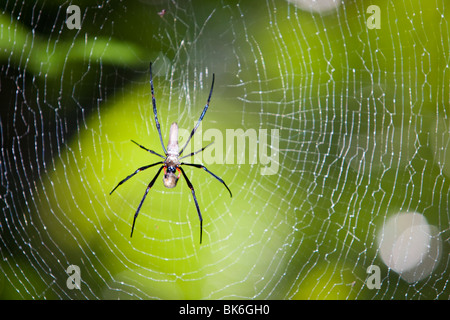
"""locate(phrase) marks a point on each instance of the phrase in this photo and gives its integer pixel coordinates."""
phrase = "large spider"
(171, 163)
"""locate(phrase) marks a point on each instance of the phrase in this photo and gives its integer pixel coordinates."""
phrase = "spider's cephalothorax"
(170, 177)
(171, 164)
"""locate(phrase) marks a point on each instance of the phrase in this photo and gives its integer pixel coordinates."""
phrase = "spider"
(171, 164)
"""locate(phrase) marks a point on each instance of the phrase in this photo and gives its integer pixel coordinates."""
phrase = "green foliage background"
(73, 99)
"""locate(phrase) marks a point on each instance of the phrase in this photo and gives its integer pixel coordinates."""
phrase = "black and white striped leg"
(137, 171)
(196, 203)
(150, 185)
(204, 168)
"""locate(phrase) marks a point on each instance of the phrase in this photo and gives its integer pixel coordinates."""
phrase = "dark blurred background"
(358, 92)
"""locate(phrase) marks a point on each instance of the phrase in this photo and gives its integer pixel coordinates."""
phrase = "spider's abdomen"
(172, 145)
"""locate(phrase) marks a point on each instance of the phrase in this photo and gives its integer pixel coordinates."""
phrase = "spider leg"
(195, 200)
(150, 185)
(154, 110)
(151, 151)
(204, 168)
(194, 153)
(137, 171)
(201, 116)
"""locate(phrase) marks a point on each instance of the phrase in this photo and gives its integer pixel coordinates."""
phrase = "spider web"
(359, 177)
